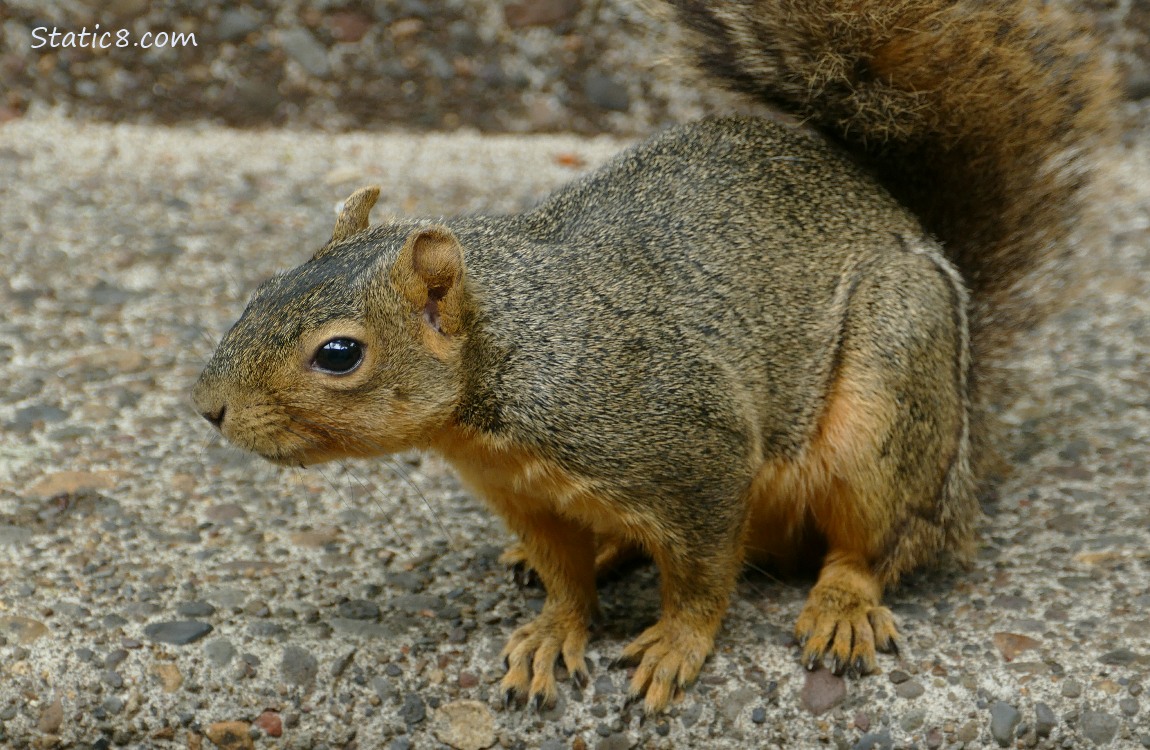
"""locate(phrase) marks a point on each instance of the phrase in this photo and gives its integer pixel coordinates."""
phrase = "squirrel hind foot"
(844, 623)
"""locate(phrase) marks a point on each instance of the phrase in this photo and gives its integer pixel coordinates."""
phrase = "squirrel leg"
(696, 584)
(888, 478)
(562, 553)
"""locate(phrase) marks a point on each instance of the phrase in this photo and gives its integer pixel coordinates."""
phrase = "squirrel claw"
(580, 678)
(623, 662)
(510, 698)
(524, 576)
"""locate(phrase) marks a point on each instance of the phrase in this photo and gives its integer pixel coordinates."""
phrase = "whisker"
(371, 491)
(397, 466)
(350, 440)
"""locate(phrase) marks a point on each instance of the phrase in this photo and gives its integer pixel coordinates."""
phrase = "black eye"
(338, 356)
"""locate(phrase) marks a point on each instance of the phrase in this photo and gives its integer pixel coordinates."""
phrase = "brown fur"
(734, 341)
(982, 117)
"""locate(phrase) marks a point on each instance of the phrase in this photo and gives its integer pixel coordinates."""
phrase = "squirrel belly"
(736, 341)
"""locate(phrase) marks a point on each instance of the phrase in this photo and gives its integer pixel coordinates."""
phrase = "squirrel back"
(981, 117)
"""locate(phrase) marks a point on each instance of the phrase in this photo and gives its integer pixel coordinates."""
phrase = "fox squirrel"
(736, 341)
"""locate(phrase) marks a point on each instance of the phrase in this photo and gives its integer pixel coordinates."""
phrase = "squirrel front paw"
(846, 626)
(533, 650)
(668, 655)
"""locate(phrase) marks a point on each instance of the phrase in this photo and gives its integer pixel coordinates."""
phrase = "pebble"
(263, 629)
(910, 689)
(271, 724)
(881, 740)
(220, 652)
(1044, 720)
(416, 603)
(170, 676)
(195, 609)
(225, 513)
(298, 666)
(72, 483)
(1071, 689)
(913, 719)
(1129, 706)
(413, 582)
(1004, 719)
(33, 417)
(22, 630)
(115, 658)
(52, 717)
(822, 691)
(465, 725)
(759, 715)
(736, 701)
(230, 735)
(414, 710)
(302, 47)
(359, 609)
(177, 633)
(14, 536)
(1098, 727)
(237, 23)
(605, 92)
(539, 12)
(113, 621)
(1118, 657)
(615, 741)
(1010, 645)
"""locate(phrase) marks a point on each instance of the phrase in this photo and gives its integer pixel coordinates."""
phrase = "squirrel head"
(355, 353)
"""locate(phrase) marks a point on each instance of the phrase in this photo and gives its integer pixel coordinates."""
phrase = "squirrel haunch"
(735, 341)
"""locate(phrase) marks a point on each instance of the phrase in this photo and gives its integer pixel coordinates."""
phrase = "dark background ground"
(584, 66)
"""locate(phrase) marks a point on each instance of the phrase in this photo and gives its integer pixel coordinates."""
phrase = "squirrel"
(739, 341)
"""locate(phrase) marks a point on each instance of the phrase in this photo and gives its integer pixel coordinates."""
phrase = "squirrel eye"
(338, 356)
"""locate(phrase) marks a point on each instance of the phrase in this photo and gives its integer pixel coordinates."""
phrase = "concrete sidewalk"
(160, 589)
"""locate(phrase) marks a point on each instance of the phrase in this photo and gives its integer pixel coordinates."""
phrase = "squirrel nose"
(216, 419)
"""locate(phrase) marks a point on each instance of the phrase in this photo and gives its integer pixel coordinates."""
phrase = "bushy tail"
(980, 115)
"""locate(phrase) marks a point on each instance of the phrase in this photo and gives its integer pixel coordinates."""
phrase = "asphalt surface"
(161, 589)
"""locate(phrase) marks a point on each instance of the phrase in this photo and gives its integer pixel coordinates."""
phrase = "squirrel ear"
(353, 217)
(429, 273)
